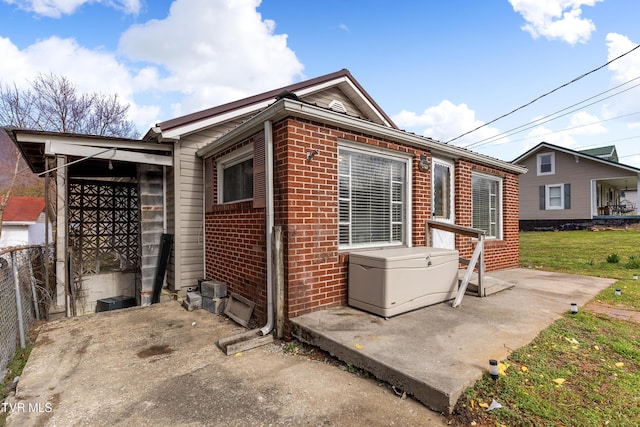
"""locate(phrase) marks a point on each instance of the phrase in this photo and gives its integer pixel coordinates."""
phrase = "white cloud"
(556, 19)
(583, 123)
(89, 70)
(623, 70)
(213, 51)
(57, 8)
(579, 128)
(541, 133)
(627, 67)
(446, 121)
(206, 52)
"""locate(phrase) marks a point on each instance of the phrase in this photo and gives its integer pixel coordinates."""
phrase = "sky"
(438, 68)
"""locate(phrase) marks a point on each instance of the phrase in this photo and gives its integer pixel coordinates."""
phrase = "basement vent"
(337, 106)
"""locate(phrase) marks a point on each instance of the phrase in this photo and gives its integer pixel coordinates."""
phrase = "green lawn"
(584, 370)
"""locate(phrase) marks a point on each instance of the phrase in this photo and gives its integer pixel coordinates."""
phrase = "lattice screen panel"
(103, 225)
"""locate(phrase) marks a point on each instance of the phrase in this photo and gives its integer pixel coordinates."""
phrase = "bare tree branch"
(5, 197)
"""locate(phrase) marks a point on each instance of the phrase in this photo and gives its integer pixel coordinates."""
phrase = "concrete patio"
(436, 352)
(160, 365)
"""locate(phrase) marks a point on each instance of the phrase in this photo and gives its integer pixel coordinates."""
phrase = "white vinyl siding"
(373, 198)
(487, 204)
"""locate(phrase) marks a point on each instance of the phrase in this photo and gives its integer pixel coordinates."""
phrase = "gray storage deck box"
(392, 281)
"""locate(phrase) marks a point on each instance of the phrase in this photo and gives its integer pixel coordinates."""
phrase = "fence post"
(16, 282)
(33, 285)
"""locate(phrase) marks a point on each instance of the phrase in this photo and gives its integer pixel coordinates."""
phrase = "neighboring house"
(324, 162)
(23, 222)
(564, 186)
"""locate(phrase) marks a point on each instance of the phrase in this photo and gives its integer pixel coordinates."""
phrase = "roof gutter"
(288, 107)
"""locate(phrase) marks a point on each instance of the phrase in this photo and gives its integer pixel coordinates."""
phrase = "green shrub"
(634, 262)
(614, 258)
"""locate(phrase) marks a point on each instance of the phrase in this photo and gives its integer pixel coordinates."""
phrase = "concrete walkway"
(160, 366)
(436, 352)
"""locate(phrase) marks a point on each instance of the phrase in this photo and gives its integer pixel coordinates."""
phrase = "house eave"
(288, 107)
(195, 122)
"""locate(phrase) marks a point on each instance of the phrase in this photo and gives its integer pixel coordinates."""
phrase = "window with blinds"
(372, 206)
(486, 204)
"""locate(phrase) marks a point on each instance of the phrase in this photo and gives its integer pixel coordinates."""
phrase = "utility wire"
(543, 95)
(539, 122)
(574, 127)
(509, 132)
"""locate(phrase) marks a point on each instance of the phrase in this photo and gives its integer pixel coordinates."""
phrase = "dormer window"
(546, 164)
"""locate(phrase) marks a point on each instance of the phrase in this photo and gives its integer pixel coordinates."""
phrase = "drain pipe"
(268, 166)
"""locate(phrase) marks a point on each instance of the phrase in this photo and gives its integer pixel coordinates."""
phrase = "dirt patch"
(49, 408)
(155, 350)
(615, 312)
(44, 340)
(83, 347)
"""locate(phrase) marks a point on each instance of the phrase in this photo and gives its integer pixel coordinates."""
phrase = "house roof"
(582, 154)
(23, 209)
(194, 122)
(608, 152)
(36, 145)
(287, 107)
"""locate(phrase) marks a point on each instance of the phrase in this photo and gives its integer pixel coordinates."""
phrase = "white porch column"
(61, 237)
(637, 201)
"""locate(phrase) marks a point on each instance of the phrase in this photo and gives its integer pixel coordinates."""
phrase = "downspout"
(268, 166)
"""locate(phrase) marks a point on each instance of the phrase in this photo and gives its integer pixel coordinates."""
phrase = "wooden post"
(278, 272)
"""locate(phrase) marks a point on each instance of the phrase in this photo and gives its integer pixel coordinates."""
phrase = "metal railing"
(24, 298)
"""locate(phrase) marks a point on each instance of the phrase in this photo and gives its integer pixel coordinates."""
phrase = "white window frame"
(539, 163)
(498, 207)
(408, 208)
(547, 197)
(243, 154)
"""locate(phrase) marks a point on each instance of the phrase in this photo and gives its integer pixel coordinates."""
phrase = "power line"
(543, 95)
(538, 121)
(574, 127)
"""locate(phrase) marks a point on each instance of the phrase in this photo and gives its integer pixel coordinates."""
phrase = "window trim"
(238, 156)
(500, 180)
(539, 163)
(547, 195)
(405, 158)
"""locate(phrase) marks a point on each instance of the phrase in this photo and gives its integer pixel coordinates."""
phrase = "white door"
(442, 203)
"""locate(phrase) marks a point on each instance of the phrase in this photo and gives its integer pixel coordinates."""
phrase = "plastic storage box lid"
(402, 257)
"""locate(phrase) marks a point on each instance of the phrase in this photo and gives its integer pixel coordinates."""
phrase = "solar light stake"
(635, 277)
(493, 369)
(618, 292)
(574, 308)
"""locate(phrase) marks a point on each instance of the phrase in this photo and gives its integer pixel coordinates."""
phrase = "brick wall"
(235, 244)
(306, 206)
(499, 254)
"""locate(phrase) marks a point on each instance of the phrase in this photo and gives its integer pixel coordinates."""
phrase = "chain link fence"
(24, 298)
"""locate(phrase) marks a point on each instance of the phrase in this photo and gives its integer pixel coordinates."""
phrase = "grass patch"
(584, 370)
(14, 369)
